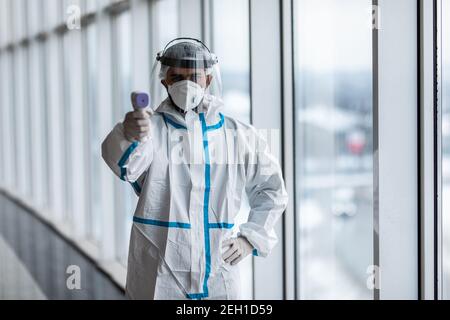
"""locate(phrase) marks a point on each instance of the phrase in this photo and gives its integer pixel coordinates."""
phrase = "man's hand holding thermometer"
(137, 123)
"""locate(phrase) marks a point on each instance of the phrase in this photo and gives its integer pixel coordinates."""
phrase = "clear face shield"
(186, 72)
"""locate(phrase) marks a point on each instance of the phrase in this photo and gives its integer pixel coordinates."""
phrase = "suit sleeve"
(267, 196)
(128, 160)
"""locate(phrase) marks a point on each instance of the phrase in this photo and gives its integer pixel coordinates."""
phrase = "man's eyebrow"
(173, 75)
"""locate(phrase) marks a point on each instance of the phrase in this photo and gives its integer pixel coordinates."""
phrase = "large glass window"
(13, 112)
(333, 148)
(45, 114)
(37, 137)
(445, 125)
(9, 139)
(22, 119)
(66, 120)
(4, 90)
(126, 199)
(164, 17)
(165, 14)
(94, 140)
(231, 43)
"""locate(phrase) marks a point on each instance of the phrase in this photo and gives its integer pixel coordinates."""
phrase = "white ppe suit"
(190, 176)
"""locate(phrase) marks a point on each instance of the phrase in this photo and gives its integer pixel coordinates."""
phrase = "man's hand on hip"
(239, 248)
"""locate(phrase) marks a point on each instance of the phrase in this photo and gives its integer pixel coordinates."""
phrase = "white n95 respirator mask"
(186, 94)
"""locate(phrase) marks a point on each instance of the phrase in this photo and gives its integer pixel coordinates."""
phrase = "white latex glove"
(239, 248)
(137, 126)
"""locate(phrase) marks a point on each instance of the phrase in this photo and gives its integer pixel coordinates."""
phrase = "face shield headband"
(193, 60)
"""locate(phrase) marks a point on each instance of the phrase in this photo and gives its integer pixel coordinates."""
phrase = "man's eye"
(177, 78)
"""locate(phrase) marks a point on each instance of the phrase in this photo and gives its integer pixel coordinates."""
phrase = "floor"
(35, 260)
(16, 282)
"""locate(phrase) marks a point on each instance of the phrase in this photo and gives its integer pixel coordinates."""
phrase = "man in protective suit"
(190, 166)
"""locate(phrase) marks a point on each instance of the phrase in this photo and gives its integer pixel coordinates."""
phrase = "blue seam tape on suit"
(160, 223)
(124, 159)
(206, 204)
(206, 223)
(123, 170)
(218, 125)
(196, 296)
(173, 123)
(221, 225)
(176, 125)
(136, 187)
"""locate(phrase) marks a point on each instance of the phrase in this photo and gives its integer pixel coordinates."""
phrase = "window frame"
(398, 223)
(429, 166)
(272, 276)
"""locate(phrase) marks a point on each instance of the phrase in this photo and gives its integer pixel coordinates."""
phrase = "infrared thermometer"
(140, 102)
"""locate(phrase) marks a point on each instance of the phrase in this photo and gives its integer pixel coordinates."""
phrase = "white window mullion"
(142, 59)
(7, 124)
(190, 21)
(77, 117)
(55, 101)
(105, 109)
(266, 114)
(21, 131)
(37, 143)
(3, 106)
(427, 155)
(398, 150)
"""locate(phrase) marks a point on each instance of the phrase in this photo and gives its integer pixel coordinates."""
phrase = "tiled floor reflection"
(34, 260)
